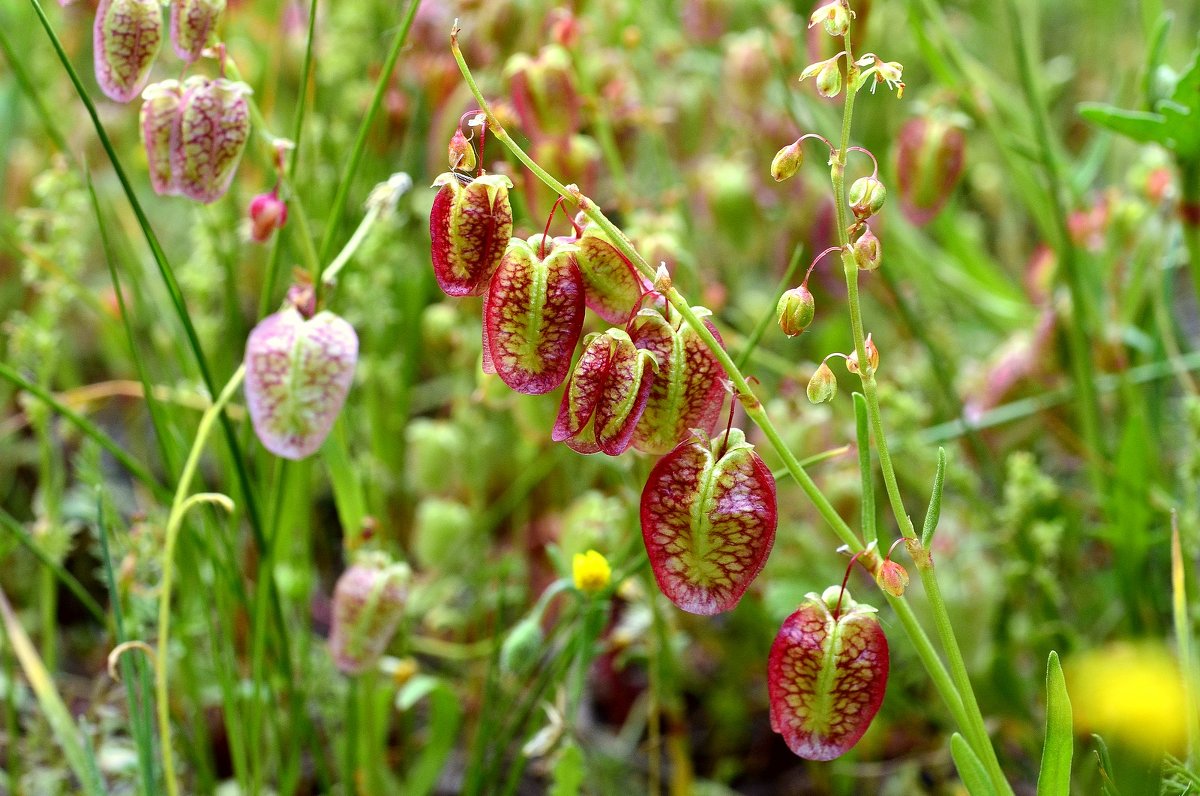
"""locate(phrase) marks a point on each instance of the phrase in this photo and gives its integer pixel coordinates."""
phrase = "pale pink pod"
(193, 23)
(368, 605)
(126, 38)
(210, 135)
(159, 114)
(298, 373)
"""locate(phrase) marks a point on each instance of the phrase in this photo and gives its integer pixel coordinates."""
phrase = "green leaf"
(972, 773)
(934, 513)
(445, 716)
(1182, 113)
(1108, 786)
(1139, 125)
(1054, 778)
(569, 771)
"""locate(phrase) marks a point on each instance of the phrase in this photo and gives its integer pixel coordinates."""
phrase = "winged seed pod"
(470, 226)
(929, 162)
(606, 395)
(533, 315)
(298, 373)
(158, 117)
(126, 38)
(193, 24)
(212, 127)
(687, 392)
(826, 675)
(708, 520)
(612, 286)
(368, 604)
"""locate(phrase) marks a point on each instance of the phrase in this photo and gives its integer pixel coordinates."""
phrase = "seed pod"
(787, 161)
(929, 162)
(612, 286)
(867, 195)
(833, 16)
(543, 92)
(829, 79)
(368, 604)
(532, 316)
(126, 38)
(298, 373)
(823, 385)
(461, 153)
(606, 395)
(687, 392)
(892, 577)
(708, 520)
(523, 646)
(795, 310)
(212, 127)
(158, 117)
(826, 675)
(470, 226)
(193, 24)
(868, 251)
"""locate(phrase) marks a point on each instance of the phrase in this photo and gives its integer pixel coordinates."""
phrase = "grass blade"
(972, 773)
(1054, 778)
(934, 513)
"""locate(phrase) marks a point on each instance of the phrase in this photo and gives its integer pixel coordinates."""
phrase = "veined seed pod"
(126, 38)
(470, 226)
(708, 520)
(826, 675)
(212, 128)
(612, 286)
(533, 315)
(193, 24)
(929, 162)
(368, 604)
(687, 392)
(159, 114)
(606, 395)
(298, 373)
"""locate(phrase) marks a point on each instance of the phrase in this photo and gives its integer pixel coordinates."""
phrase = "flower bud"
(462, 154)
(892, 578)
(795, 310)
(591, 572)
(866, 197)
(193, 24)
(469, 227)
(868, 252)
(267, 213)
(126, 38)
(823, 385)
(833, 16)
(829, 79)
(787, 161)
(368, 604)
(522, 647)
(212, 127)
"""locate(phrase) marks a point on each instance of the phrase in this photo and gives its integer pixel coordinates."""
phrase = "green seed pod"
(868, 251)
(823, 385)
(829, 79)
(787, 161)
(795, 310)
(522, 647)
(867, 195)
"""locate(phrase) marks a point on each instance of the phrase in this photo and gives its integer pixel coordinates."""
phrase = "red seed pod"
(606, 395)
(158, 117)
(126, 38)
(193, 24)
(687, 392)
(708, 520)
(826, 675)
(533, 315)
(368, 604)
(267, 213)
(461, 153)
(929, 162)
(211, 130)
(612, 286)
(543, 92)
(470, 226)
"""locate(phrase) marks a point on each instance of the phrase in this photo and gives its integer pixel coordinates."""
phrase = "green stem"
(179, 507)
(1189, 178)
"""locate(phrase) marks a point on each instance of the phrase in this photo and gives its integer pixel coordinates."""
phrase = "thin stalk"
(179, 507)
(1189, 211)
(765, 321)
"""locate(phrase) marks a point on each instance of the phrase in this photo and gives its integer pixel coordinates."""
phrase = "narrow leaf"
(935, 501)
(1138, 125)
(970, 770)
(1054, 778)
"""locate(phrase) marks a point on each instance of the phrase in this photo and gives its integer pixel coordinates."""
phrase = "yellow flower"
(1131, 695)
(591, 570)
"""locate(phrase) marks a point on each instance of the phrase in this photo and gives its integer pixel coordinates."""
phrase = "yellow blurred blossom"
(1131, 695)
(591, 570)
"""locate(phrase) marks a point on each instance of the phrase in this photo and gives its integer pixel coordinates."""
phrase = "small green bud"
(829, 79)
(867, 195)
(833, 16)
(795, 310)
(868, 252)
(787, 161)
(823, 385)
(522, 647)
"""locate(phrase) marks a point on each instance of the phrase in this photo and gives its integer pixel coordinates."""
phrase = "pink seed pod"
(929, 162)
(533, 315)
(193, 24)
(267, 213)
(544, 93)
(612, 286)
(158, 117)
(708, 520)
(826, 675)
(298, 373)
(368, 604)
(126, 38)
(606, 395)
(212, 127)
(687, 392)
(469, 227)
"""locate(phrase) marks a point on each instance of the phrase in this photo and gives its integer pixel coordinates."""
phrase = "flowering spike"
(826, 675)
(606, 395)
(368, 604)
(160, 111)
(532, 316)
(708, 521)
(612, 285)
(193, 24)
(212, 127)
(687, 392)
(126, 38)
(298, 373)
(470, 226)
